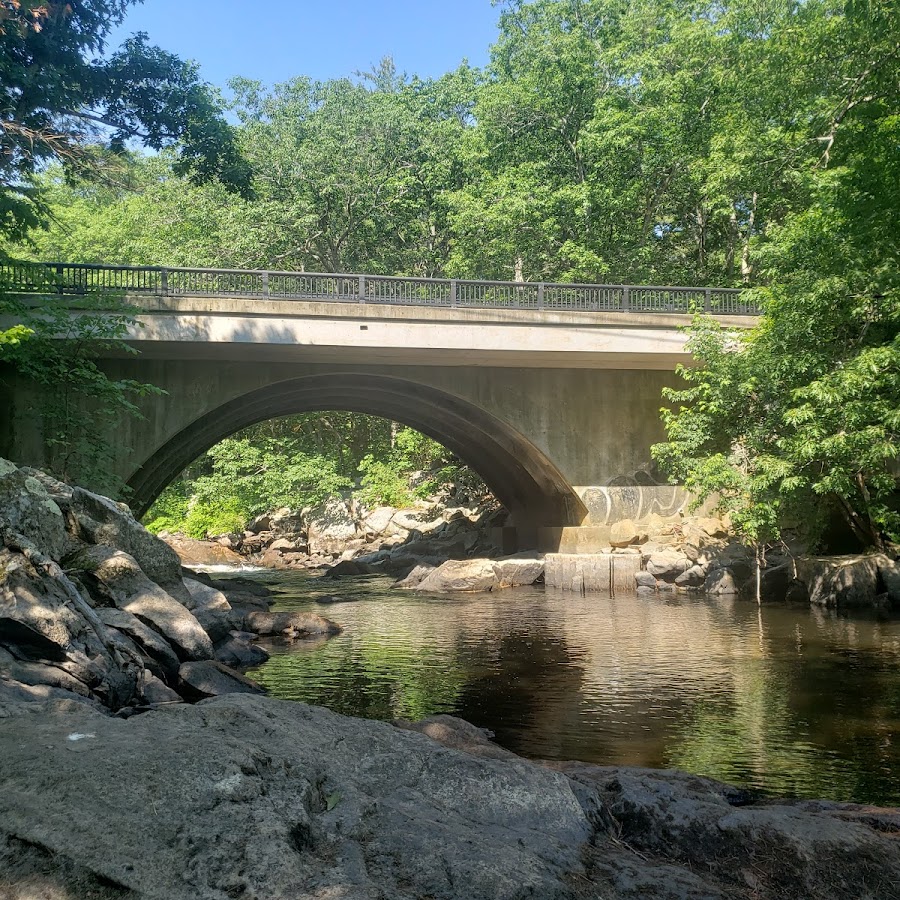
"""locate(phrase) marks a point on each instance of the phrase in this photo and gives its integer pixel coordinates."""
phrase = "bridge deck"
(81, 279)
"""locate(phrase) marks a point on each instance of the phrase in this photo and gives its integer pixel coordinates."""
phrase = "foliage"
(804, 412)
(59, 99)
(56, 347)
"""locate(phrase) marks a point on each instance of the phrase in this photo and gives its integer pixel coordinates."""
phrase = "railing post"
(453, 292)
(626, 298)
(164, 282)
(707, 301)
(540, 295)
(59, 279)
(265, 285)
(362, 288)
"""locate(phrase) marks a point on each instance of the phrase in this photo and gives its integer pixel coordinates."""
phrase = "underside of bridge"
(521, 476)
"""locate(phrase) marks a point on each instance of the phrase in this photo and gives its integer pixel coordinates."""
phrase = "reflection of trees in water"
(812, 710)
(524, 684)
(795, 700)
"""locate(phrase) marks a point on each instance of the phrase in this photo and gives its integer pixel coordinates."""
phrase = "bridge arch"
(521, 476)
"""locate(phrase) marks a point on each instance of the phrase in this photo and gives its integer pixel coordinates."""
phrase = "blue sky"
(276, 40)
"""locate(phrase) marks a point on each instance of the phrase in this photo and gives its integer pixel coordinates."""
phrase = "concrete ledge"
(610, 574)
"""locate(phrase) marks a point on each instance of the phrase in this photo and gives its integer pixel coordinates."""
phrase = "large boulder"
(667, 565)
(329, 526)
(122, 583)
(463, 575)
(290, 623)
(843, 581)
(29, 510)
(192, 552)
(265, 798)
(519, 570)
(623, 533)
(37, 618)
(149, 641)
(416, 575)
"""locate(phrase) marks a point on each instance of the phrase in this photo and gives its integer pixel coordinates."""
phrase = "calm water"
(791, 701)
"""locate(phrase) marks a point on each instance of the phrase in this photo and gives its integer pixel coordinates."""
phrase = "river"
(790, 701)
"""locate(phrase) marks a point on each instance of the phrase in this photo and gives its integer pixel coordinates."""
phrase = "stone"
(103, 521)
(202, 553)
(623, 533)
(645, 579)
(239, 653)
(724, 580)
(267, 798)
(889, 573)
(416, 576)
(329, 526)
(156, 691)
(467, 575)
(667, 565)
(29, 510)
(345, 568)
(148, 640)
(283, 544)
(843, 581)
(711, 526)
(293, 622)
(519, 569)
(260, 523)
(377, 521)
(209, 678)
(205, 596)
(127, 587)
(694, 577)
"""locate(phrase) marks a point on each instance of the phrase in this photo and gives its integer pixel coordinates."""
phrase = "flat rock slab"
(253, 797)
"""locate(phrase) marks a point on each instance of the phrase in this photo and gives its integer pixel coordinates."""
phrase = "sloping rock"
(329, 526)
(145, 637)
(345, 568)
(416, 576)
(280, 800)
(99, 520)
(128, 588)
(209, 678)
(889, 572)
(156, 691)
(204, 596)
(240, 653)
(460, 575)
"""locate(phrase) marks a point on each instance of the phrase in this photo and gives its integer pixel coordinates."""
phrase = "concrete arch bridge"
(550, 392)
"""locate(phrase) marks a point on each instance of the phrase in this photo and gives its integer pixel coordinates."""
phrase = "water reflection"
(789, 701)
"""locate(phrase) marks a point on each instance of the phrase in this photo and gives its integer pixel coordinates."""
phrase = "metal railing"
(80, 279)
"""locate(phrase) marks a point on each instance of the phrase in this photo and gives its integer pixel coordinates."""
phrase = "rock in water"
(209, 678)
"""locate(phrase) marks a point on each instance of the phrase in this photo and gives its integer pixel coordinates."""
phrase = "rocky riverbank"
(134, 763)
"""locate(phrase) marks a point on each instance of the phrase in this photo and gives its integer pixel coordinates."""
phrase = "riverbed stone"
(623, 533)
(240, 653)
(201, 553)
(294, 623)
(465, 575)
(889, 573)
(843, 581)
(416, 576)
(519, 570)
(210, 678)
(694, 577)
(667, 565)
